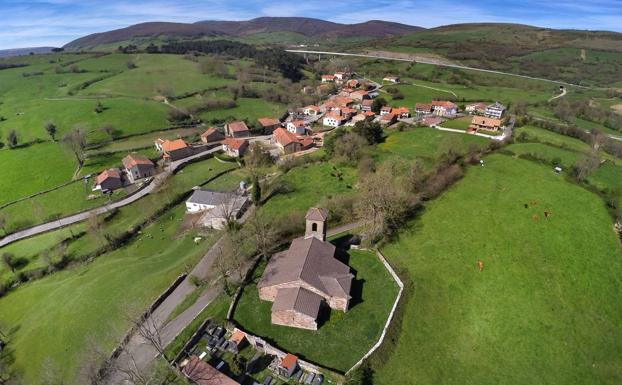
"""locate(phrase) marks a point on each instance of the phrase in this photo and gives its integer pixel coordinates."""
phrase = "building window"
(314, 227)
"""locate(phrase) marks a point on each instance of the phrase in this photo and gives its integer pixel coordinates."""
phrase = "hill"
(24, 51)
(305, 26)
(586, 57)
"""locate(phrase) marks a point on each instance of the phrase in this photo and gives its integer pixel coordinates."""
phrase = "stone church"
(307, 276)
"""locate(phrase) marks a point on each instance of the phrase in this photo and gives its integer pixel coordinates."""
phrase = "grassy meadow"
(546, 299)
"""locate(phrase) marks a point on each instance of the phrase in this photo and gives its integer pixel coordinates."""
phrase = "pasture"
(544, 309)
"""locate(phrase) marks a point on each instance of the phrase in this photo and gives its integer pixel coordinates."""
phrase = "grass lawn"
(88, 300)
(311, 184)
(422, 143)
(32, 169)
(546, 136)
(345, 337)
(566, 158)
(460, 123)
(545, 308)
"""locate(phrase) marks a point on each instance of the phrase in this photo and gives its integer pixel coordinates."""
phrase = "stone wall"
(294, 319)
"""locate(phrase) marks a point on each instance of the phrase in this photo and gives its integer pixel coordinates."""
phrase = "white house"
(311, 110)
(444, 108)
(218, 207)
(298, 127)
(391, 79)
(333, 120)
(495, 111)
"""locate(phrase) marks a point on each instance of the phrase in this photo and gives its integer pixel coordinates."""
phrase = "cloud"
(55, 22)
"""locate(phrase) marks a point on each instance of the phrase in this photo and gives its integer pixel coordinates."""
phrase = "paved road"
(141, 353)
(58, 223)
(433, 62)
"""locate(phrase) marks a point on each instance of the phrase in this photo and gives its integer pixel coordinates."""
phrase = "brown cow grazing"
(480, 265)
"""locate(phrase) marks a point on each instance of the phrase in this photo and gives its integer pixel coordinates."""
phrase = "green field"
(544, 308)
(88, 301)
(32, 169)
(423, 143)
(345, 337)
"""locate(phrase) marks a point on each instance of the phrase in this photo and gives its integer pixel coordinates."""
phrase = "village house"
(287, 366)
(173, 149)
(289, 143)
(341, 76)
(298, 127)
(109, 180)
(212, 135)
(311, 110)
(495, 110)
(333, 120)
(366, 105)
(138, 167)
(235, 147)
(475, 108)
(359, 95)
(484, 123)
(269, 124)
(388, 119)
(328, 78)
(300, 280)
(342, 101)
(237, 341)
(423, 109)
(444, 108)
(401, 112)
(219, 208)
(237, 130)
(202, 373)
(391, 79)
(385, 110)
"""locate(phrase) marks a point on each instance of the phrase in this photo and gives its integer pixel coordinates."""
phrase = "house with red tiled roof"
(444, 108)
(366, 105)
(423, 108)
(290, 143)
(108, 180)
(298, 127)
(212, 135)
(388, 118)
(353, 83)
(269, 124)
(385, 110)
(202, 373)
(173, 149)
(237, 130)
(333, 120)
(305, 277)
(341, 76)
(328, 78)
(237, 341)
(235, 147)
(342, 101)
(484, 123)
(311, 110)
(360, 95)
(401, 112)
(288, 365)
(138, 167)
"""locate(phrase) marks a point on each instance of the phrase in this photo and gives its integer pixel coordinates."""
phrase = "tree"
(362, 375)
(597, 139)
(584, 167)
(349, 147)
(263, 233)
(94, 227)
(378, 104)
(11, 138)
(99, 107)
(256, 157)
(256, 192)
(75, 142)
(371, 131)
(9, 261)
(50, 128)
(383, 203)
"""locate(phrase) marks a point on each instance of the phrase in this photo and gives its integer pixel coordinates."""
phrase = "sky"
(26, 23)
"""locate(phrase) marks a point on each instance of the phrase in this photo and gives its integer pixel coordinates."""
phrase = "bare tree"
(263, 233)
(75, 142)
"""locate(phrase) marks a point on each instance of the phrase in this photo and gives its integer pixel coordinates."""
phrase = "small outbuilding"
(212, 135)
(108, 180)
